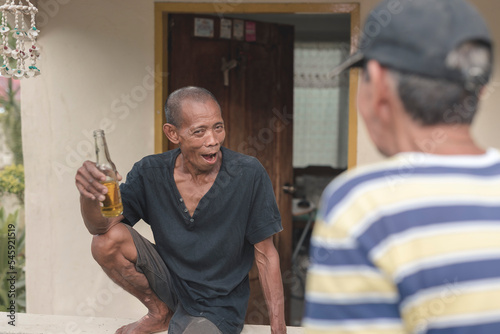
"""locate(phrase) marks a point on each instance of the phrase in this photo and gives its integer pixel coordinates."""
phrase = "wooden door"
(257, 107)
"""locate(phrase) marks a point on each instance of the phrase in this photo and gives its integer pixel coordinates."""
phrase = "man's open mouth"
(211, 158)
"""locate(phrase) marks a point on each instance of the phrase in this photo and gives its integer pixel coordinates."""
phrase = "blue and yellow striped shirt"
(409, 245)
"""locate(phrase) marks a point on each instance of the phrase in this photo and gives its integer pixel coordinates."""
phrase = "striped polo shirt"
(409, 245)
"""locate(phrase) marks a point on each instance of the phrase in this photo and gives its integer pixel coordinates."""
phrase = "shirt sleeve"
(133, 196)
(345, 291)
(264, 219)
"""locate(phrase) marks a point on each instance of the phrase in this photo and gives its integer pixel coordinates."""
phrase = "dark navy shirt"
(211, 252)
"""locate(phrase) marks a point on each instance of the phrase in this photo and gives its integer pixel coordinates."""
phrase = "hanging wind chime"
(24, 61)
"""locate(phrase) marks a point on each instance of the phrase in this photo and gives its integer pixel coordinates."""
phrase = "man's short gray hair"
(173, 105)
(433, 101)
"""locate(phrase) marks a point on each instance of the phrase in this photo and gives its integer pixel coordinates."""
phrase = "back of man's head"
(173, 105)
(438, 51)
(432, 101)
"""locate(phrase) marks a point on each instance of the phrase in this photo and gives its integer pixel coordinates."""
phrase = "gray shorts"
(150, 263)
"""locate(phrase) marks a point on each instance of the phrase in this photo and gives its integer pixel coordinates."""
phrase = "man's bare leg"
(116, 253)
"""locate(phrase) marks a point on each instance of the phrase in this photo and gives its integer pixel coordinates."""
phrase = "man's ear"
(382, 90)
(170, 131)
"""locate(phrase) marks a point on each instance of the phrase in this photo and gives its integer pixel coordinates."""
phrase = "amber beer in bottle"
(112, 206)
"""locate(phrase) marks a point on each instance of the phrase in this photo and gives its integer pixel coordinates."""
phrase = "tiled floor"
(52, 324)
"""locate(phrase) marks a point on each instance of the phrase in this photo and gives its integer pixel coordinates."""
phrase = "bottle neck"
(102, 153)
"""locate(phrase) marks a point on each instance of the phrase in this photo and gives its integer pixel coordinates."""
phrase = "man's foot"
(146, 325)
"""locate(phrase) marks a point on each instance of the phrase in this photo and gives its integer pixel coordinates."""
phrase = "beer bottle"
(112, 206)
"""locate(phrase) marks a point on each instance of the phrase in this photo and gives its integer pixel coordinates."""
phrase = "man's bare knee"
(115, 243)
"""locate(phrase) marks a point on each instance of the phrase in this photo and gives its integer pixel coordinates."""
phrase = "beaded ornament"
(22, 34)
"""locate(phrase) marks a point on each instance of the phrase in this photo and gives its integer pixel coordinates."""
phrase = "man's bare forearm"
(93, 219)
(272, 286)
(273, 292)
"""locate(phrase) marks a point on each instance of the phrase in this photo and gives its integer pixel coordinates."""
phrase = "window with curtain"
(320, 105)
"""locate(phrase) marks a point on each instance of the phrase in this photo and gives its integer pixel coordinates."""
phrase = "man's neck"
(453, 139)
(198, 176)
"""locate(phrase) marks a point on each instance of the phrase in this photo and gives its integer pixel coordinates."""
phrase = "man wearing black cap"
(412, 244)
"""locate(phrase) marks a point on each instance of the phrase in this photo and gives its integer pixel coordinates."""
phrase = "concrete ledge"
(59, 324)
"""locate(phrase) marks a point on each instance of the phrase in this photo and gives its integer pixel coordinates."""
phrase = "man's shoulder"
(361, 179)
(406, 165)
(366, 173)
(407, 171)
(160, 160)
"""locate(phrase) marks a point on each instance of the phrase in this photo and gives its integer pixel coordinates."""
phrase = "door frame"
(162, 9)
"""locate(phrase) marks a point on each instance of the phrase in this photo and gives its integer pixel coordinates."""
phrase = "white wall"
(97, 63)
(486, 126)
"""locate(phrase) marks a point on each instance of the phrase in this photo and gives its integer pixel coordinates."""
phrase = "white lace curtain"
(320, 106)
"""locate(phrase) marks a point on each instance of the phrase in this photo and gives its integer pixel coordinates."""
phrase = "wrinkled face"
(201, 134)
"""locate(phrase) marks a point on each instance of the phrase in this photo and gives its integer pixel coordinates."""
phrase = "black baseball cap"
(416, 36)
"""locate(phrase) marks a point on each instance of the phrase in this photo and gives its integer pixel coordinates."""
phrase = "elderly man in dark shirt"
(211, 210)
